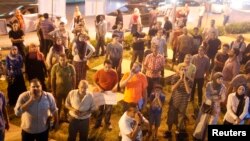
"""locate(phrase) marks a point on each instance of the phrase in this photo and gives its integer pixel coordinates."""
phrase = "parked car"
(217, 7)
(29, 9)
(127, 11)
(165, 8)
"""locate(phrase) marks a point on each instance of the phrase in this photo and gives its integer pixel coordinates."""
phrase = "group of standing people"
(198, 58)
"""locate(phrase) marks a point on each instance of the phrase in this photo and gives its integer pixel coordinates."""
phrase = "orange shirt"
(135, 87)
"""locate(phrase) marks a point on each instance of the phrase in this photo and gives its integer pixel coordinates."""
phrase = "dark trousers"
(100, 44)
(47, 43)
(181, 57)
(35, 137)
(136, 54)
(60, 98)
(78, 125)
(104, 111)
(115, 64)
(200, 83)
(151, 82)
(2, 134)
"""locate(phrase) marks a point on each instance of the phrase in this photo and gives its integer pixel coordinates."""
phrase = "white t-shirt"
(126, 124)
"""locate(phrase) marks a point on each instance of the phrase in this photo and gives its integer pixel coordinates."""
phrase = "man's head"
(35, 87)
(82, 86)
(62, 26)
(46, 15)
(240, 38)
(154, 48)
(225, 48)
(136, 67)
(160, 32)
(107, 65)
(188, 58)
(132, 110)
(158, 24)
(201, 51)
(234, 52)
(63, 59)
(185, 31)
(115, 38)
(196, 31)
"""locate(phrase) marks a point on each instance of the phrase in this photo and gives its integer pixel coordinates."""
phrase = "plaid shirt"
(154, 65)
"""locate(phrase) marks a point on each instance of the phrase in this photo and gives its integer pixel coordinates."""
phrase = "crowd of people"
(57, 68)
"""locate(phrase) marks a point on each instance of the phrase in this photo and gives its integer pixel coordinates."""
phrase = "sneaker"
(177, 132)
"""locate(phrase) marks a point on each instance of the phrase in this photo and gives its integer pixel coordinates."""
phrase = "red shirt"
(106, 79)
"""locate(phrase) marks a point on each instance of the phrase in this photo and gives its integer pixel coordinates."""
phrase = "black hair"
(46, 15)
(107, 62)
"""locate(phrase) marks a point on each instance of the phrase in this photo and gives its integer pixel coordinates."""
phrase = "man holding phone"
(135, 84)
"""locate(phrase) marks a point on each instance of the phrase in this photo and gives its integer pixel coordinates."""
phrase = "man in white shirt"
(202, 10)
(130, 124)
(80, 104)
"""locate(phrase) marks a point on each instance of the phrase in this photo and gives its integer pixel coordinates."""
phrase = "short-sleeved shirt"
(126, 125)
(34, 119)
(106, 79)
(2, 106)
(86, 104)
(16, 34)
(135, 87)
(62, 78)
(231, 69)
(202, 65)
(114, 51)
(154, 63)
(213, 46)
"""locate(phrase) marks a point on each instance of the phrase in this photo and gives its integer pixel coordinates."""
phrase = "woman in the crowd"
(54, 53)
(237, 106)
(135, 20)
(210, 110)
(16, 84)
(81, 51)
(35, 65)
(77, 17)
(181, 89)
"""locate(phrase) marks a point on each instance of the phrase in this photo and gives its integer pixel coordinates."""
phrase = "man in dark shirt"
(197, 40)
(167, 27)
(213, 45)
(138, 47)
(220, 59)
(16, 36)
